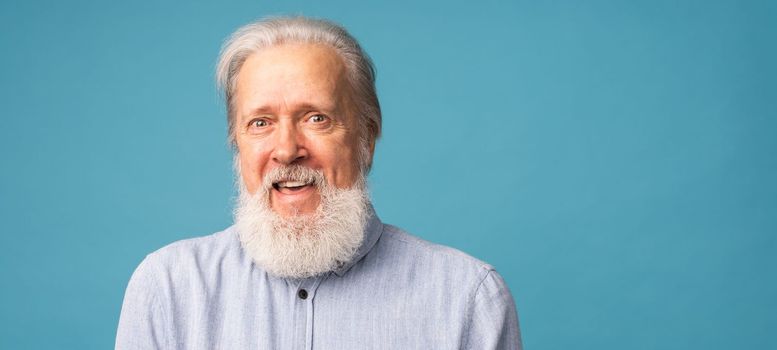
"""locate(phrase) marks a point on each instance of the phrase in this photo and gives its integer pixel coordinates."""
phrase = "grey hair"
(269, 32)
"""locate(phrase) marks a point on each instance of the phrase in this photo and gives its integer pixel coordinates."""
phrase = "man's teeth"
(291, 184)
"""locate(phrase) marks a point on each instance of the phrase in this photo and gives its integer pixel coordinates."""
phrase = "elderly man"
(308, 264)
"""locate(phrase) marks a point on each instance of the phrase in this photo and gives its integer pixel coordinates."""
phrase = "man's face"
(293, 106)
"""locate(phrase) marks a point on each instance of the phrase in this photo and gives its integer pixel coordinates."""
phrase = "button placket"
(306, 292)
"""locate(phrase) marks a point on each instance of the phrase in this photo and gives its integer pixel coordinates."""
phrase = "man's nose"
(289, 145)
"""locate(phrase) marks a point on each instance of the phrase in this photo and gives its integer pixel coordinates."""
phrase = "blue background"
(614, 160)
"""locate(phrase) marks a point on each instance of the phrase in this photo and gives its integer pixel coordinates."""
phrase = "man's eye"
(258, 123)
(318, 118)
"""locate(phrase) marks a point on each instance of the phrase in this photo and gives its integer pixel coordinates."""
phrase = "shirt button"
(302, 294)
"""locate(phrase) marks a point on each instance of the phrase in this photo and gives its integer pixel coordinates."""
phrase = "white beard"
(302, 246)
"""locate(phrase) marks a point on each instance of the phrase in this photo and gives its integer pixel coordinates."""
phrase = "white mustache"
(296, 173)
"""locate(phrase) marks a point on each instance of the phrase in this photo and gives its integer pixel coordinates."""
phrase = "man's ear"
(372, 149)
(371, 156)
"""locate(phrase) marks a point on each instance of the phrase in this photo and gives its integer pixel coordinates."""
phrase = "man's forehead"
(298, 75)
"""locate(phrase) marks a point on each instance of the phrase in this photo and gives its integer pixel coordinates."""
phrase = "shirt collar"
(372, 232)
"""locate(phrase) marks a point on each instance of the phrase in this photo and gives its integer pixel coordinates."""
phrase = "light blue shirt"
(399, 292)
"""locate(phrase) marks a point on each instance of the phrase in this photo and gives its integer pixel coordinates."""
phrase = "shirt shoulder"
(171, 284)
(196, 264)
(472, 290)
(402, 250)
(432, 250)
(205, 249)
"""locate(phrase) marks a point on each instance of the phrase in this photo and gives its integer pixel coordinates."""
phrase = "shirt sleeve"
(494, 319)
(142, 321)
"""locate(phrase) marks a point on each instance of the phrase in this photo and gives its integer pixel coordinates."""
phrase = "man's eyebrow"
(258, 111)
(302, 107)
(308, 107)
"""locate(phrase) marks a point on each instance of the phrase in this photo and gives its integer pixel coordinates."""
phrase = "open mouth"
(290, 187)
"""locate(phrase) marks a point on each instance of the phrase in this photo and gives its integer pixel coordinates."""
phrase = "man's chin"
(293, 212)
(286, 206)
